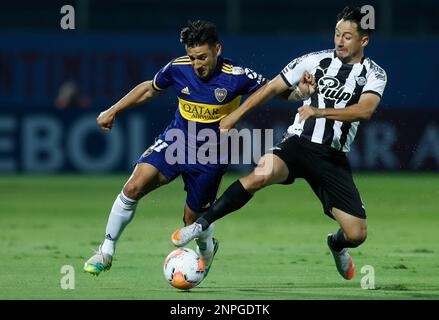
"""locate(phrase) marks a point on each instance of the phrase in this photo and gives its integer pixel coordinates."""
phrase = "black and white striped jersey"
(339, 85)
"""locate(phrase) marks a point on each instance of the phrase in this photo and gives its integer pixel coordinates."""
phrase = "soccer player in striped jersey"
(349, 89)
(208, 88)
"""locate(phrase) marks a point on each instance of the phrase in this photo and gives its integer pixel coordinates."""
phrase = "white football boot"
(343, 261)
(98, 262)
(184, 235)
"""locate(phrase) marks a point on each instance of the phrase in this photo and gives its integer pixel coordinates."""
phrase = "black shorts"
(326, 170)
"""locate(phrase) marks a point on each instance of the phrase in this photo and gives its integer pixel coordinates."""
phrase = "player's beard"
(203, 73)
(344, 59)
(348, 58)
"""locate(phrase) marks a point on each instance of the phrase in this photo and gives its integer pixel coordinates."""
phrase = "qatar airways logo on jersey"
(330, 88)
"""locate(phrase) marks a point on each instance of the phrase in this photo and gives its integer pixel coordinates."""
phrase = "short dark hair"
(353, 14)
(198, 33)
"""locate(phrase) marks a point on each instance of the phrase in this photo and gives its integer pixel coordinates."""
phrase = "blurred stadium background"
(54, 83)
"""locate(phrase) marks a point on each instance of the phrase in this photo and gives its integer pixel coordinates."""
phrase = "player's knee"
(356, 235)
(257, 182)
(132, 190)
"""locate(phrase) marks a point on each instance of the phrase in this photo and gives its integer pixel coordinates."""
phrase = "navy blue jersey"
(207, 101)
(204, 102)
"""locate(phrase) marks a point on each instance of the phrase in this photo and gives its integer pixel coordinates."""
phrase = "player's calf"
(255, 182)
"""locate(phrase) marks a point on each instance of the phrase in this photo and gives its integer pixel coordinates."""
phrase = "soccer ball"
(184, 268)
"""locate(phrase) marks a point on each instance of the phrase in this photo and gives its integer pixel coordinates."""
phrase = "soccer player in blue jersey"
(208, 88)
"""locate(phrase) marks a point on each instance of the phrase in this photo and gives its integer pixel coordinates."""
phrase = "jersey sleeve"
(163, 78)
(376, 80)
(292, 73)
(250, 80)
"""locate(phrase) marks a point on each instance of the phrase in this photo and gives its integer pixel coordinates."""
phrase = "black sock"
(234, 198)
(338, 242)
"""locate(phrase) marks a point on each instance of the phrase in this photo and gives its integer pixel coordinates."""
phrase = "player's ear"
(218, 49)
(364, 41)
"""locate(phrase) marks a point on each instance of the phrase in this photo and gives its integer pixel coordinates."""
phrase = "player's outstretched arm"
(140, 94)
(268, 91)
(363, 110)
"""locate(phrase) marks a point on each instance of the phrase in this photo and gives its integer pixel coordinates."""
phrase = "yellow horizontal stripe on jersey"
(206, 113)
(155, 84)
(182, 58)
(227, 65)
(227, 71)
(181, 63)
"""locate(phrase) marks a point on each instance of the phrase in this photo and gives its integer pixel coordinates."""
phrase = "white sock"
(205, 242)
(121, 214)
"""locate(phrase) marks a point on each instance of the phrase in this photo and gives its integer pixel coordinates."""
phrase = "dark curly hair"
(198, 33)
(353, 14)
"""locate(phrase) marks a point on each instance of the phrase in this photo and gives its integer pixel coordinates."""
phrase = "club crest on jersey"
(361, 81)
(220, 94)
(330, 88)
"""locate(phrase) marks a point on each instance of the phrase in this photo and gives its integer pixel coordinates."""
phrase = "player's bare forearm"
(255, 100)
(140, 94)
(275, 87)
(265, 93)
(363, 110)
(354, 112)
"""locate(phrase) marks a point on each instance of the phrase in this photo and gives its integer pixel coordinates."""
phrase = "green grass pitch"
(273, 248)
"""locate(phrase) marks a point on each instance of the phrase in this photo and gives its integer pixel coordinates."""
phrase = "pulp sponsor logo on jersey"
(331, 89)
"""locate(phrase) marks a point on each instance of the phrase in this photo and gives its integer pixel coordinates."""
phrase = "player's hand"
(227, 123)
(306, 112)
(307, 85)
(106, 119)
